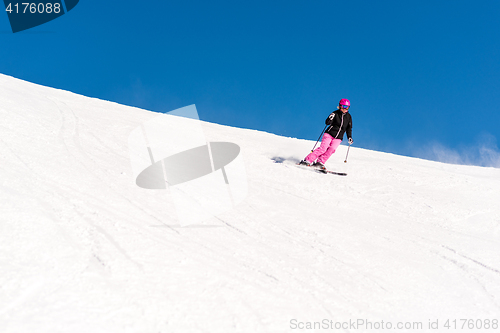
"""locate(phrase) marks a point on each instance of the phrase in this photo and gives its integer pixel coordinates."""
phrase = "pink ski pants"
(325, 150)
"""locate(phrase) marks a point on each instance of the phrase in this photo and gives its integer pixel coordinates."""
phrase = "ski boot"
(319, 165)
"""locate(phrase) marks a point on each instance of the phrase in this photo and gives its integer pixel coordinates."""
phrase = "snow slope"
(83, 249)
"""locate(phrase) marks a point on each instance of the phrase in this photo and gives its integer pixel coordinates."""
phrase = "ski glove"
(350, 141)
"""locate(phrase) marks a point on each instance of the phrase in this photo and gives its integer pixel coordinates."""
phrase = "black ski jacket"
(339, 124)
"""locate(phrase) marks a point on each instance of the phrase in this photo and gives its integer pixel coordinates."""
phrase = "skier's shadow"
(282, 160)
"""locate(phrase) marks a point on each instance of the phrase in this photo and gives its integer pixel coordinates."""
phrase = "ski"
(332, 172)
(321, 170)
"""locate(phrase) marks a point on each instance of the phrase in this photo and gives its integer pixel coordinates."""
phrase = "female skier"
(340, 121)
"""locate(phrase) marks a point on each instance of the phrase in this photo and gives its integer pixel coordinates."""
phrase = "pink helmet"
(345, 101)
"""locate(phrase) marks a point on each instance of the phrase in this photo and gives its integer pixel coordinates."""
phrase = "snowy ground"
(83, 249)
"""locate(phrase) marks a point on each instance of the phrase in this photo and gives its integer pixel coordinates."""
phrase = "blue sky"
(423, 77)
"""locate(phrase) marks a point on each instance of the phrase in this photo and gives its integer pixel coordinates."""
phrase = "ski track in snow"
(83, 249)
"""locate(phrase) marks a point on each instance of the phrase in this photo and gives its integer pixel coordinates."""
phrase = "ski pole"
(319, 138)
(347, 153)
